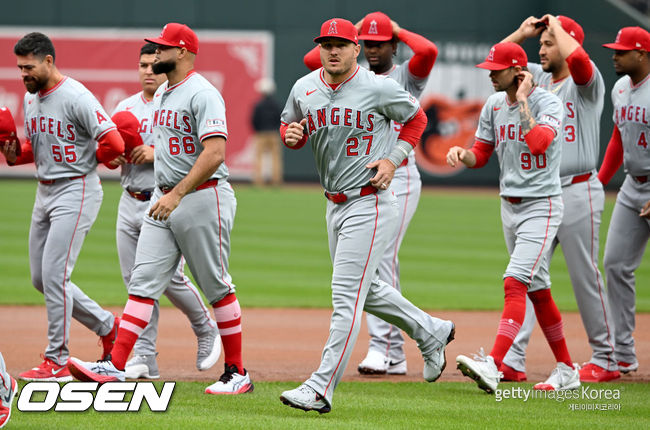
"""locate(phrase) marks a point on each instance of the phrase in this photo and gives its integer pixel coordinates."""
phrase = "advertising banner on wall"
(106, 62)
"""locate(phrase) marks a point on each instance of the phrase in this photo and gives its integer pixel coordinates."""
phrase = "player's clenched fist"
(457, 154)
(295, 132)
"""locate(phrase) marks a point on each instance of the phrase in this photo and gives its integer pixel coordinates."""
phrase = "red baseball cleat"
(6, 400)
(511, 375)
(109, 340)
(594, 373)
(47, 371)
(628, 367)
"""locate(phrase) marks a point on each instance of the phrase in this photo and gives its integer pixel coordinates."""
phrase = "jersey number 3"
(187, 145)
(352, 145)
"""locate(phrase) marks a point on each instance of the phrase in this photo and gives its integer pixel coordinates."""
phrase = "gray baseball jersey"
(63, 124)
(199, 228)
(347, 128)
(138, 177)
(357, 118)
(628, 233)
(584, 199)
(182, 119)
(64, 129)
(130, 216)
(522, 173)
(407, 187)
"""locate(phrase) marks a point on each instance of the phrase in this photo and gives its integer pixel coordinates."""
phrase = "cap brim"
(160, 41)
(376, 38)
(491, 66)
(619, 47)
(319, 39)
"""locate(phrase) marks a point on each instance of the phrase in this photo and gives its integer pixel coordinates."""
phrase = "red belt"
(513, 200)
(339, 198)
(52, 181)
(641, 179)
(581, 178)
(143, 196)
(206, 184)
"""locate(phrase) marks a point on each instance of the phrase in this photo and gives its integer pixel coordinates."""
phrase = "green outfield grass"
(453, 255)
(359, 405)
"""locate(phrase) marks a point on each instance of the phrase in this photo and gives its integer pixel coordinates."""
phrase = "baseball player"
(629, 228)
(380, 37)
(67, 132)
(8, 390)
(567, 72)
(522, 122)
(191, 213)
(345, 112)
(137, 179)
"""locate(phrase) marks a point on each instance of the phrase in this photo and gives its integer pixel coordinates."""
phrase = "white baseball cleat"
(231, 382)
(481, 369)
(375, 363)
(436, 360)
(209, 349)
(562, 378)
(98, 371)
(305, 398)
(397, 368)
(142, 366)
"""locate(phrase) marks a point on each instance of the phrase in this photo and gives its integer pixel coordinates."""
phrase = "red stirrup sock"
(550, 321)
(227, 313)
(137, 314)
(514, 311)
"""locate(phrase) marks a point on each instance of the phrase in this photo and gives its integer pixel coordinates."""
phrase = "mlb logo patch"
(553, 122)
(215, 122)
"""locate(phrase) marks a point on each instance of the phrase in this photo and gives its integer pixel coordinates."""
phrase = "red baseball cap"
(572, 27)
(178, 36)
(376, 26)
(504, 55)
(129, 127)
(339, 28)
(629, 39)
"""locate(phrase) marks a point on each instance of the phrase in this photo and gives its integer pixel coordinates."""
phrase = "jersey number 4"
(67, 152)
(187, 145)
(352, 145)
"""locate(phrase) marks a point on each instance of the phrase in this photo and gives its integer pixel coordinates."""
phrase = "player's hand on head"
(530, 27)
(395, 27)
(142, 154)
(455, 155)
(385, 172)
(295, 132)
(358, 25)
(551, 22)
(645, 211)
(163, 208)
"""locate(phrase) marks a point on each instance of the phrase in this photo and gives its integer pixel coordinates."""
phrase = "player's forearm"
(526, 117)
(312, 59)
(214, 153)
(109, 146)
(539, 139)
(613, 157)
(425, 53)
(565, 42)
(580, 66)
(478, 155)
(516, 36)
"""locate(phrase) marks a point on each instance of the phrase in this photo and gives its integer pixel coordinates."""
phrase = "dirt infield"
(286, 344)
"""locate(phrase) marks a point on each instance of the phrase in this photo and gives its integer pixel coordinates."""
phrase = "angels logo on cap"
(490, 56)
(373, 27)
(332, 29)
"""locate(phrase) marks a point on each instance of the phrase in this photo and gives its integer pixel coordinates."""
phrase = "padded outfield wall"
(462, 29)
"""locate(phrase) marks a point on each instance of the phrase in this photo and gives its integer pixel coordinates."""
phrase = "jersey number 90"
(528, 161)
(186, 145)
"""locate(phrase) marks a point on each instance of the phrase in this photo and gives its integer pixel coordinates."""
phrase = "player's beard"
(163, 67)
(34, 84)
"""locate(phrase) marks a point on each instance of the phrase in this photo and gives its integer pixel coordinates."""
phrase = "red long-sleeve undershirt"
(312, 58)
(539, 138)
(109, 147)
(482, 151)
(613, 157)
(425, 53)
(580, 67)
